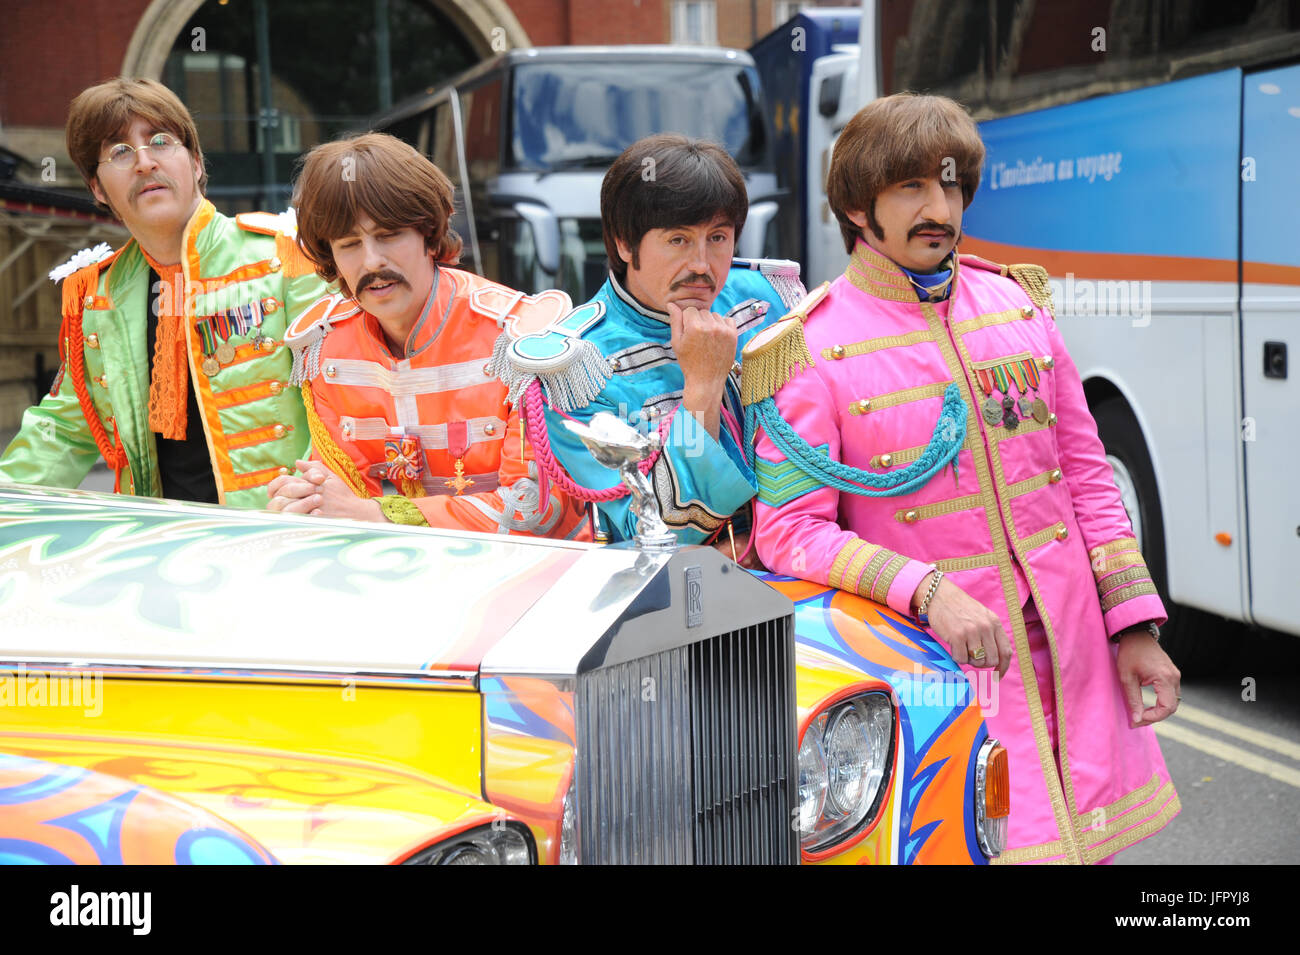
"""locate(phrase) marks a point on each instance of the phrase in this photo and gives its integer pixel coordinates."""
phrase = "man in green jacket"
(174, 368)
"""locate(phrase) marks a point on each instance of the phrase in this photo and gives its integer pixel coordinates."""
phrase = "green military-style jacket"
(253, 419)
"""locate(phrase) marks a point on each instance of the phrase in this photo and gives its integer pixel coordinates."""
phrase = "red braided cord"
(535, 429)
(113, 452)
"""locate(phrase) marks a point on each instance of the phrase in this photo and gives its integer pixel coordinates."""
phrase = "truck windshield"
(583, 114)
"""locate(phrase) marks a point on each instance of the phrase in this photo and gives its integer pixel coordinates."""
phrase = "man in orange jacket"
(394, 371)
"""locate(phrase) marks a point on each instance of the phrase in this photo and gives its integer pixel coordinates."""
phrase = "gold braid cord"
(335, 458)
(1033, 279)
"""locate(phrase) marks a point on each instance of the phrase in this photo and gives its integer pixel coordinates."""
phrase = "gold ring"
(978, 654)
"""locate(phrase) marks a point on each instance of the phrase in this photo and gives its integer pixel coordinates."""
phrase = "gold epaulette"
(772, 356)
(1033, 279)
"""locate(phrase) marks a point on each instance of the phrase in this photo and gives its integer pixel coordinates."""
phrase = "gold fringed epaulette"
(1033, 279)
(776, 353)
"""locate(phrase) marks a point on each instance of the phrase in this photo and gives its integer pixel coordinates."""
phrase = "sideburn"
(871, 220)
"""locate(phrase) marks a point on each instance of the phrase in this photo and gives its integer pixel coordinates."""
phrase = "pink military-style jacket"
(1031, 511)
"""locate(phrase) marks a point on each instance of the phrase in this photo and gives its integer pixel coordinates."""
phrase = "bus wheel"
(1188, 637)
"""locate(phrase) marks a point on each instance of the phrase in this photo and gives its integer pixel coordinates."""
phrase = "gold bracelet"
(922, 610)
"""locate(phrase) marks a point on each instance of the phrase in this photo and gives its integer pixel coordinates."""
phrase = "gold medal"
(1040, 410)
(210, 366)
(225, 353)
(992, 410)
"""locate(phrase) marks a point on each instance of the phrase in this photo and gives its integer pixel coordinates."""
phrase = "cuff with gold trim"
(1120, 572)
(878, 574)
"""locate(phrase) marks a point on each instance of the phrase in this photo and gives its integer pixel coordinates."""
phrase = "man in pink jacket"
(922, 439)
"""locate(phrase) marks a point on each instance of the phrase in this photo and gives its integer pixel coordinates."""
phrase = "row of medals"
(224, 354)
(1004, 412)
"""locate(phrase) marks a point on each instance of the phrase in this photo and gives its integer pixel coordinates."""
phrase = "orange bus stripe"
(1109, 265)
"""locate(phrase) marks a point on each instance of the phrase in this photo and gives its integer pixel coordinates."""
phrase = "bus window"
(582, 115)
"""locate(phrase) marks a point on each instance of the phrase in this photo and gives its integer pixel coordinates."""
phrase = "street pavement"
(1233, 750)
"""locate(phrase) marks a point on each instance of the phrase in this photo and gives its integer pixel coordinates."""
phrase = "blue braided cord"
(948, 437)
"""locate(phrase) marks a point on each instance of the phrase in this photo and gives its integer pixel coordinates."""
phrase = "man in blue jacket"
(659, 344)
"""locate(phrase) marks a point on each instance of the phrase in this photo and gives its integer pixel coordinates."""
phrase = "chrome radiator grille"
(689, 755)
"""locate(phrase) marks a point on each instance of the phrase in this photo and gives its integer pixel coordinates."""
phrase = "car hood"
(99, 580)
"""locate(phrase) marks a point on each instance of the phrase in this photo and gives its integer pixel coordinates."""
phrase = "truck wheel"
(1188, 637)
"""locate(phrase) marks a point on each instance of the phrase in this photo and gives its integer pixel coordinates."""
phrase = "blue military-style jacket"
(613, 354)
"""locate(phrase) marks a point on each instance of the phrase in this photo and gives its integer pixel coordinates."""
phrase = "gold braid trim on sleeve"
(1033, 279)
(399, 510)
(335, 458)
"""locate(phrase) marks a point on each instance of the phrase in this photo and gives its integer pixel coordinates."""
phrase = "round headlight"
(812, 779)
(857, 738)
(504, 843)
(849, 762)
(468, 855)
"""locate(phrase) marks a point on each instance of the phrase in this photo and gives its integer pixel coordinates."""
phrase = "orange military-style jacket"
(432, 422)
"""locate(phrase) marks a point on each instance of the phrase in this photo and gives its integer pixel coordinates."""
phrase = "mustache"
(929, 225)
(378, 278)
(695, 278)
(157, 179)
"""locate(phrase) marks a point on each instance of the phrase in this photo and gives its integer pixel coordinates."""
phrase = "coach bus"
(1150, 165)
(526, 138)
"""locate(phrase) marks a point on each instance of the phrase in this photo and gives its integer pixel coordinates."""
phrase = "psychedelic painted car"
(184, 683)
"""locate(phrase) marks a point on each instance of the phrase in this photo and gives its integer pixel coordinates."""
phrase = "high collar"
(630, 300)
(881, 277)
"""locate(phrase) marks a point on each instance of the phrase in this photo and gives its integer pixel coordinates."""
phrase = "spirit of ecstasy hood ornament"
(616, 444)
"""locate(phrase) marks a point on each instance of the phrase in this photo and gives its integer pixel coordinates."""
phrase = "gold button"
(90, 301)
(278, 431)
(1047, 361)
(886, 460)
(489, 429)
(92, 340)
(911, 517)
(347, 431)
(102, 380)
(283, 471)
(275, 265)
(1062, 533)
(861, 406)
(735, 368)
(1055, 476)
(837, 352)
(1051, 419)
(615, 364)
(270, 306)
(330, 371)
(1027, 310)
(276, 387)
